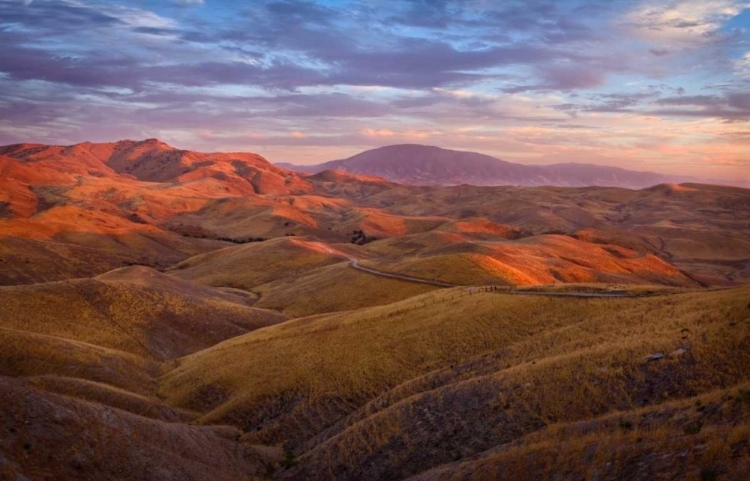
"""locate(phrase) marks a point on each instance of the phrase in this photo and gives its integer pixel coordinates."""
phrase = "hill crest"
(431, 165)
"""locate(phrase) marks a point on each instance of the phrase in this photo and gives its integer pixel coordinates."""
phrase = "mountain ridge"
(418, 164)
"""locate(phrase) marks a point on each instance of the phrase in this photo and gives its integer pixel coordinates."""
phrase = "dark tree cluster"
(358, 237)
(228, 239)
(242, 241)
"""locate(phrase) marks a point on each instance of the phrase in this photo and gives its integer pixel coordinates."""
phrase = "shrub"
(709, 474)
(288, 461)
(694, 427)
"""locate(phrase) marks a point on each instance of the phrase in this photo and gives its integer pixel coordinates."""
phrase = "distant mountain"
(423, 164)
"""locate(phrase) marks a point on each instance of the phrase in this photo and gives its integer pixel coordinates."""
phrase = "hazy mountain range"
(429, 165)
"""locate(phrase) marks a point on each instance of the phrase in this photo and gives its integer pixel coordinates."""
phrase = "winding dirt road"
(354, 263)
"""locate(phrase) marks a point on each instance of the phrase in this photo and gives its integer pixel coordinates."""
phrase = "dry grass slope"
(334, 288)
(106, 339)
(47, 436)
(194, 375)
(164, 319)
(254, 264)
(705, 437)
(390, 391)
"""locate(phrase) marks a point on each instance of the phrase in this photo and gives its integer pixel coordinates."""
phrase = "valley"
(170, 314)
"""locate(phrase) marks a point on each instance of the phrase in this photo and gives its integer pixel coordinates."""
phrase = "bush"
(709, 474)
(694, 427)
(288, 461)
(743, 395)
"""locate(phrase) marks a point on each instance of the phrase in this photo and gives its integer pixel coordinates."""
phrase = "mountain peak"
(432, 165)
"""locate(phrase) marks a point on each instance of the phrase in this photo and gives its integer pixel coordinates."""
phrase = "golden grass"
(104, 339)
(564, 366)
(603, 288)
(547, 259)
(106, 394)
(26, 261)
(26, 354)
(334, 288)
(413, 244)
(149, 322)
(49, 436)
(250, 265)
(461, 269)
(572, 351)
(682, 439)
(73, 255)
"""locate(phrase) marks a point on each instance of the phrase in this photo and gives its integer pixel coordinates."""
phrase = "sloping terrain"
(179, 315)
(296, 276)
(255, 264)
(387, 392)
(704, 437)
(698, 228)
(81, 210)
(334, 288)
(79, 369)
(135, 310)
(544, 259)
(52, 437)
(107, 337)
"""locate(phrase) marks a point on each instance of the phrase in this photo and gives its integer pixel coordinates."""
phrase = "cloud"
(733, 106)
(693, 100)
(506, 76)
(683, 22)
(739, 100)
(563, 78)
(296, 43)
(610, 103)
(659, 52)
(742, 66)
(189, 2)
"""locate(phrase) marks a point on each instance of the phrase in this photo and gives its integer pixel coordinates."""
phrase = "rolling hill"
(429, 165)
(81, 210)
(457, 383)
(170, 314)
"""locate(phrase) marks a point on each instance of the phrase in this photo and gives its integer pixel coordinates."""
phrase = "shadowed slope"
(393, 390)
(255, 264)
(333, 288)
(135, 310)
(696, 438)
(48, 436)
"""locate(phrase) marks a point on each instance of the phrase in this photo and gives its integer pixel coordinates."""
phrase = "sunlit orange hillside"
(95, 207)
(211, 316)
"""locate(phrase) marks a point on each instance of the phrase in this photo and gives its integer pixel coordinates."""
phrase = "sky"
(661, 86)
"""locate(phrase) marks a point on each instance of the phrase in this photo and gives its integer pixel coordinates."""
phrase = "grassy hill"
(257, 263)
(169, 314)
(80, 364)
(106, 338)
(390, 391)
(333, 288)
(49, 436)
